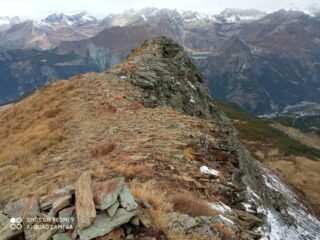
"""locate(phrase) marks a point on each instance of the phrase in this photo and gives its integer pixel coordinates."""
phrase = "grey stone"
(104, 224)
(47, 235)
(61, 236)
(47, 200)
(126, 199)
(112, 210)
(106, 193)
(6, 232)
(68, 217)
(59, 205)
(15, 209)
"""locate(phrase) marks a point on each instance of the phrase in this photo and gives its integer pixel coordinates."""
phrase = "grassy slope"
(305, 124)
(251, 128)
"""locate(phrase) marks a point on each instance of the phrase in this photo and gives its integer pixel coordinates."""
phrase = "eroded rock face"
(168, 77)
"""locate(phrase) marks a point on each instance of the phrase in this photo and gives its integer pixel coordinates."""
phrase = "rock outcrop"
(70, 215)
(167, 77)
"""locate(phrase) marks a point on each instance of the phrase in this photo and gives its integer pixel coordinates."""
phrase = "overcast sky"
(41, 8)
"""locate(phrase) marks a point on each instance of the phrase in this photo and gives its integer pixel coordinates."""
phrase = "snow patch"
(223, 218)
(205, 169)
(192, 86)
(247, 207)
(220, 207)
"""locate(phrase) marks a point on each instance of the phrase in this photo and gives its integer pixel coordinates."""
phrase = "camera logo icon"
(15, 223)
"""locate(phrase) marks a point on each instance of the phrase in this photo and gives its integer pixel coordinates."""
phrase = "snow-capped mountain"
(234, 15)
(77, 19)
(153, 15)
(313, 10)
(6, 22)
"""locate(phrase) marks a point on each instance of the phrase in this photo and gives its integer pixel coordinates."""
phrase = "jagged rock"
(61, 236)
(104, 224)
(31, 210)
(112, 210)
(59, 205)
(6, 233)
(85, 208)
(168, 67)
(68, 217)
(106, 193)
(15, 209)
(126, 199)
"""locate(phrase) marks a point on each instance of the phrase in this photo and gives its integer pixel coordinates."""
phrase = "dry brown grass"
(103, 150)
(139, 170)
(223, 230)
(152, 193)
(188, 154)
(51, 113)
(32, 126)
(157, 197)
(191, 204)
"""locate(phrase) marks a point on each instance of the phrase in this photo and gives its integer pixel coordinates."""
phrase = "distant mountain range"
(263, 62)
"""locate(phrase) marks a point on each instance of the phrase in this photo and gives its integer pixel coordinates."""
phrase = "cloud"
(41, 8)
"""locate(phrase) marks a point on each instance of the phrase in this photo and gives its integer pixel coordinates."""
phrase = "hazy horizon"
(43, 8)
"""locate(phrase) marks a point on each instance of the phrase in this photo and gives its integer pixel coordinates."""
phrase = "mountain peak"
(76, 19)
(163, 69)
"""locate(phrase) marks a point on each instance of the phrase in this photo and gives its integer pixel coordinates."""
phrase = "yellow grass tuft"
(189, 203)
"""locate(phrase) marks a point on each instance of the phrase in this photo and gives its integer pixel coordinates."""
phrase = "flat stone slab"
(106, 193)
(85, 208)
(104, 224)
(127, 200)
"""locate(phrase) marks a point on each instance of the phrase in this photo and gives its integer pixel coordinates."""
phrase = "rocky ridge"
(175, 152)
(281, 203)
